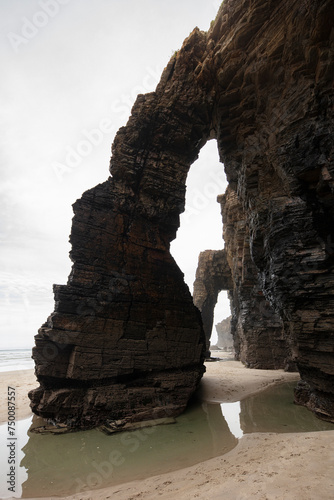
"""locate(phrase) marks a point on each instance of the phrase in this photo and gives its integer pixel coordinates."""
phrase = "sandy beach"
(263, 466)
(22, 381)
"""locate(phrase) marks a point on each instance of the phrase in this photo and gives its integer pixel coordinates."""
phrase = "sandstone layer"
(125, 341)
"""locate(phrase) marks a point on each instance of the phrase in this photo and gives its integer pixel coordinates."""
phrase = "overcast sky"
(71, 70)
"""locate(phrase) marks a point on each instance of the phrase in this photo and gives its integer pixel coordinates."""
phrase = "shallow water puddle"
(64, 464)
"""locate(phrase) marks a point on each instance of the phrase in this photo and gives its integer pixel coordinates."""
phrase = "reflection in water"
(273, 410)
(64, 464)
(231, 412)
(21, 429)
(79, 461)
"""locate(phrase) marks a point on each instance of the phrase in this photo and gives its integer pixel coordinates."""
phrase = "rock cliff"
(125, 341)
(257, 329)
(275, 136)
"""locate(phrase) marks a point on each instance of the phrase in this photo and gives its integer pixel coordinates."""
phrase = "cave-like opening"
(201, 222)
(201, 225)
(221, 331)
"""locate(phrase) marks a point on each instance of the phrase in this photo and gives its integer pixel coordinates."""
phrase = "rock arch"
(125, 342)
(257, 330)
(213, 275)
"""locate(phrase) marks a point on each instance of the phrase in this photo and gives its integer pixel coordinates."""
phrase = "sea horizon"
(16, 359)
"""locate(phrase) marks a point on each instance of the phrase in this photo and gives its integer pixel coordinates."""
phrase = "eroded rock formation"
(213, 275)
(275, 135)
(125, 341)
(225, 339)
(257, 330)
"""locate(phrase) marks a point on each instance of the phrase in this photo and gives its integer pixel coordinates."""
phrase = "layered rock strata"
(275, 136)
(213, 275)
(125, 340)
(257, 329)
(276, 140)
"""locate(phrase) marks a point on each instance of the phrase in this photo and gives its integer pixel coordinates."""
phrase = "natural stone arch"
(257, 330)
(213, 275)
(125, 341)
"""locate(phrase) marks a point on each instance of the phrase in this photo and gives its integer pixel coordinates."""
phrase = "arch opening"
(201, 222)
(206, 272)
(221, 336)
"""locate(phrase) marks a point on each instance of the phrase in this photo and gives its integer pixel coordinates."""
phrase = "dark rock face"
(213, 275)
(257, 330)
(101, 354)
(125, 341)
(275, 135)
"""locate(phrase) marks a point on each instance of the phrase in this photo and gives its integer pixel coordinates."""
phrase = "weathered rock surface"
(225, 339)
(257, 330)
(279, 161)
(275, 135)
(213, 275)
(125, 341)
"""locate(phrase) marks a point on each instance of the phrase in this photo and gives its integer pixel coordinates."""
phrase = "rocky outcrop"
(275, 136)
(125, 341)
(225, 339)
(257, 330)
(213, 275)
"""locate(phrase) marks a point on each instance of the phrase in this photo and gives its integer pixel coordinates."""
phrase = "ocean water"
(15, 359)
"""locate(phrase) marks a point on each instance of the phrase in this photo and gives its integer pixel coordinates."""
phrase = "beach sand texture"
(263, 466)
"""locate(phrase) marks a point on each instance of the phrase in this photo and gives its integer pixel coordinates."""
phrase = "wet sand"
(264, 466)
(224, 381)
(22, 381)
